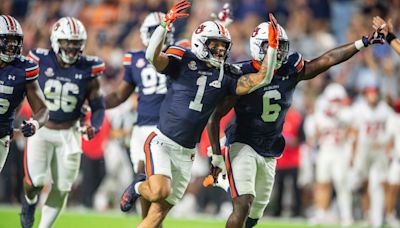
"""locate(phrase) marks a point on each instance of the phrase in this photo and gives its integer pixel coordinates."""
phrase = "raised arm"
(250, 82)
(338, 55)
(387, 29)
(40, 112)
(120, 95)
(153, 52)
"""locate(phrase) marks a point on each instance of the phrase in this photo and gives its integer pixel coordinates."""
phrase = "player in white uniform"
(68, 79)
(393, 179)
(369, 155)
(332, 125)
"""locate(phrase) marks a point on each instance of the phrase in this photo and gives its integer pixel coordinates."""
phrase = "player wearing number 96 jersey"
(17, 78)
(256, 138)
(68, 79)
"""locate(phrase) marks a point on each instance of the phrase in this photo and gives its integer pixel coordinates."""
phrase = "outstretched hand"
(377, 37)
(379, 23)
(273, 32)
(174, 13)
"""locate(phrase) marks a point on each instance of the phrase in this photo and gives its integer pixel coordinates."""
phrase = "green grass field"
(9, 218)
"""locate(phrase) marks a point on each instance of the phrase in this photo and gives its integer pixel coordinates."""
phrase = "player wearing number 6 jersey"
(68, 79)
(256, 138)
(199, 80)
(17, 78)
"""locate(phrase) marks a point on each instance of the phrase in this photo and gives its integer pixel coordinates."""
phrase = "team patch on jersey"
(32, 72)
(175, 51)
(299, 63)
(49, 72)
(127, 59)
(98, 69)
(192, 65)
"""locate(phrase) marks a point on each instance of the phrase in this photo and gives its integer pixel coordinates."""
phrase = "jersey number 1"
(196, 104)
(271, 111)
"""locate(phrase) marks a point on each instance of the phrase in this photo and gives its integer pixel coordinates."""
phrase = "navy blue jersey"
(152, 86)
(65, 89)
(260, 115)
(13, 79)
(192, 96)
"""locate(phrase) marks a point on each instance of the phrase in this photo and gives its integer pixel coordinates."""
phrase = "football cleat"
(27, 216)
(130, 196)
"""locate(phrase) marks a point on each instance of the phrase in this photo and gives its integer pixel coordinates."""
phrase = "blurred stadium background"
(313, 26)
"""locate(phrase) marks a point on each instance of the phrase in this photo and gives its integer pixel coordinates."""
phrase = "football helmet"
(11, 38)
(202, 37)
(334, 94)
(68, 39)
(259, 44)
(150, 23)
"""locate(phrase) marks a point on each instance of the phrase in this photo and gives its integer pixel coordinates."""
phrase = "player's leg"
(157, 212)
(341, 184)
(138, 139)
(158, 169)
(376, 192)
(392, 191)
(4, 149)
(264, 183)
(64, 169)
(37, 154)
(324, 172)
(181, 165)
(241, 166)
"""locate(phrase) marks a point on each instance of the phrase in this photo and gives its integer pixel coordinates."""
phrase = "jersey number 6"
(271, 111)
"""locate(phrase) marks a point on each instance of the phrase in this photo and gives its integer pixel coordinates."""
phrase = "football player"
(199, 80)
(332, 130)
(151, 86)
(68, 79)
(387, 29)
(256, 136)
(17, 78)
(370, 160)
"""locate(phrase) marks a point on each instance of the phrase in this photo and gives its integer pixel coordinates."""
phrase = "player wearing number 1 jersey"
(17, 78)
(256, 138)
(68, 79)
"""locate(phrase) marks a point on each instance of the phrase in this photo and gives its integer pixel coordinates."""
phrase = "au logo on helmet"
(200, 29)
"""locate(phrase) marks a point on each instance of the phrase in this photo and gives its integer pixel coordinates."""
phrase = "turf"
(9, 218)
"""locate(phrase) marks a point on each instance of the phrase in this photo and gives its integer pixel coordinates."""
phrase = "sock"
(31, 201)
(49, 216)
(250, 222)
(137, 187)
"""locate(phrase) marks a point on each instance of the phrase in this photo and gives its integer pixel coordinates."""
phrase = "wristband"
(359, 44)
(389, 37)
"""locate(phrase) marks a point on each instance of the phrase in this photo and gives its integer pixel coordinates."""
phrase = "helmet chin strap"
(65, 58)
(217, 83)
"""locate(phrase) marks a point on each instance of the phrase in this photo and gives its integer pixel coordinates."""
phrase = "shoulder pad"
(35, 54)
(97, 65)
(296, 60)
(176, 51)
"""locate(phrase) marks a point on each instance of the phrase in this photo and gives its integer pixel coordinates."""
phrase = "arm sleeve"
(98, 112)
